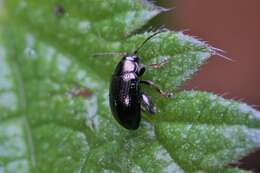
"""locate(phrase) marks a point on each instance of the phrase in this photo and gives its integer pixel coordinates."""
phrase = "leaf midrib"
(23, 105)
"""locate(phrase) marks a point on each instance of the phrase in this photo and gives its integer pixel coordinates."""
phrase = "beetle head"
(133, 58)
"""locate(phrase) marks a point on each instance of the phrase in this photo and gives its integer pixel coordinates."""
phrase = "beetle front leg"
(141, 68)
(158, 65)
(147, 104)
(152, 84)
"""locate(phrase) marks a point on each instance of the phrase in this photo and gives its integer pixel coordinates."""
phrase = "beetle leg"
(147, 104)
(152, 84)
(158, 65)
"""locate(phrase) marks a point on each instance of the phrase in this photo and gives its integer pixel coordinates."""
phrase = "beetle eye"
(136, 58)
(141, 70)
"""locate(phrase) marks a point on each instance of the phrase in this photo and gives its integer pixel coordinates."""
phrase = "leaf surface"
(55, 115)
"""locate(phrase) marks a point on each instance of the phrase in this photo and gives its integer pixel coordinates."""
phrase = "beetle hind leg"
(147, 104)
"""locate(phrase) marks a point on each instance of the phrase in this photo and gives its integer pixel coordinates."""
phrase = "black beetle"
(126, 98)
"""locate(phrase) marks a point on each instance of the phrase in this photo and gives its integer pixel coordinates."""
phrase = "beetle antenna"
(110, 53)
(147, 39)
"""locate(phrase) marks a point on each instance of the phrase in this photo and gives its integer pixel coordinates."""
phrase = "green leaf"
(55, 115)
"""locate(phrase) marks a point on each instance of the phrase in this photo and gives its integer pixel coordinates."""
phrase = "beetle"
(126, 98)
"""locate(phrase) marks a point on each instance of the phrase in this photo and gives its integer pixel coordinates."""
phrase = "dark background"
(233, 26)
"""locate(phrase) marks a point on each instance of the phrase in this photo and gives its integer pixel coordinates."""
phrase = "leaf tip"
(248, 109)
(154, 7)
